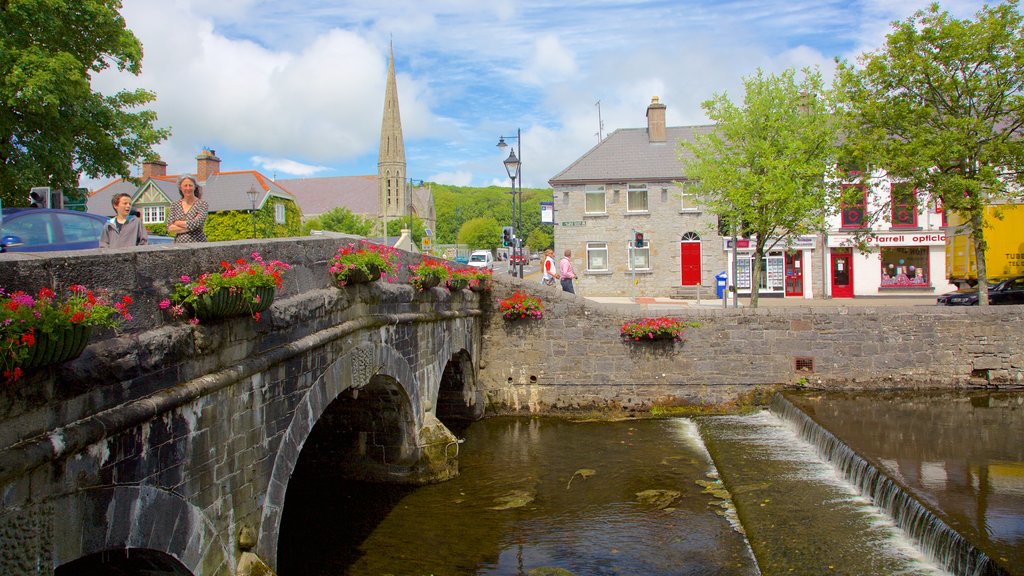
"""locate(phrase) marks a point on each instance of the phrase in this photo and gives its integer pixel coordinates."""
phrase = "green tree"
(343, 220)
(396, 226)
(456, 205)
(538, 240)
(941, 106)
(763, 169)
(481, 233)
(53, 126)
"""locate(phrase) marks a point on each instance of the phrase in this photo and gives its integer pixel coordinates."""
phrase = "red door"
(689, 253)
(794, 273)
(842, 274)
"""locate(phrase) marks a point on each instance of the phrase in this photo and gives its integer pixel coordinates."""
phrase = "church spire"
(392, 191)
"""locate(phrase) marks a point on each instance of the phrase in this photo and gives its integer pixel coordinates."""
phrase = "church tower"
(393, 194)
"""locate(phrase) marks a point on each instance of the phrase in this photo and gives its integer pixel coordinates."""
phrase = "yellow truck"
(1005, 237)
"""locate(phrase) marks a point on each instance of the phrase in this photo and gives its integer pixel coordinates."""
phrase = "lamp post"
(252, 201)
(512, 166)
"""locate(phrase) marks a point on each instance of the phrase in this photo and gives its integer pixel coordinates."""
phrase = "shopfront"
(895, 263)
(784, 272)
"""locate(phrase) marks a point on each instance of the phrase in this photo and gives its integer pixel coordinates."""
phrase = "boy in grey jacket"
(124, 229)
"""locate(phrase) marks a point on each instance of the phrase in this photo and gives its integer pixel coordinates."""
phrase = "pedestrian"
(186, 217)
(550, 274)
(125, 228)
(566, 273)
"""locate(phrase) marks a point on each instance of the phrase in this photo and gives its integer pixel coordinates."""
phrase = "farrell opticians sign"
(920, 239)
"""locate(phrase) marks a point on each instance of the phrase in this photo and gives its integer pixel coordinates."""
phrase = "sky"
(296, 89)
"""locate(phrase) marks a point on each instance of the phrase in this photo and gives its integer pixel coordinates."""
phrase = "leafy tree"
(341, 219)
(538, 240)
(941, 106)
(396, 226)
(763, 170)
(52, 125)
(456, 205)
(481, 233)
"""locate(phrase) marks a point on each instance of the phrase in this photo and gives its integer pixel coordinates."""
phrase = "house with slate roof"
(632, 182)
(222, 191)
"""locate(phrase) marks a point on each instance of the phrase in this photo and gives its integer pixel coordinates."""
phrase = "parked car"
(50, 229)
(1000, 291)
(481, 259)
(525, 257)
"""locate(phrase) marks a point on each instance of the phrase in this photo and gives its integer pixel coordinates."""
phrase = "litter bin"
(720, 282)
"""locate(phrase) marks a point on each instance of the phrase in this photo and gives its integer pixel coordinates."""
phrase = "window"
(641, 257)
(154, 214)
(636, 198)
(279, 213)
(904, 267)
(78, 228)
(595, 200)
(853, 203)
(904, 206)
(597, 256)
(689, 201)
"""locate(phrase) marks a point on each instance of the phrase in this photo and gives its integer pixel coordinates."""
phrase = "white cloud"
(291, 167)
(452, 178)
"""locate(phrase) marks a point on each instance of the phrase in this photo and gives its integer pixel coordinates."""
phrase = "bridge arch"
(364, 415)
(143, 528)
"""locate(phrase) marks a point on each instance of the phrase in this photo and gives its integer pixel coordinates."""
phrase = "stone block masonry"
(575, 359)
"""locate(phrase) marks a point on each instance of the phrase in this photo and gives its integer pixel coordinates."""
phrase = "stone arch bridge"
(168, 448)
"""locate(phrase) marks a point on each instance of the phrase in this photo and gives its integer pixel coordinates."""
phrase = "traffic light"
(506, 236)
(39, 197)
(638, 241)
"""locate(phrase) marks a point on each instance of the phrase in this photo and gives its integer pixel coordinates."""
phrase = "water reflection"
(532, 494)
(959, 453)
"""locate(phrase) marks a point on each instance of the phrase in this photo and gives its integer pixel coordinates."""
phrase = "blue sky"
(296, 89)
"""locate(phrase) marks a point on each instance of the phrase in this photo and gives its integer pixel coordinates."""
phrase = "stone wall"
(574, 358)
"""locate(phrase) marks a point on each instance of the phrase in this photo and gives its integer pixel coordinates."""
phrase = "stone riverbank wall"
(574, 358)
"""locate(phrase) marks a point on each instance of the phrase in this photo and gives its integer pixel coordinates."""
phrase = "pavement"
(665, 303)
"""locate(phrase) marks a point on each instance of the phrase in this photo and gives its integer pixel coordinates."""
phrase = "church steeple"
(392, 191)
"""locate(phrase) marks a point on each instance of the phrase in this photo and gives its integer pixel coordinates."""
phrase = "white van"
(482, 259)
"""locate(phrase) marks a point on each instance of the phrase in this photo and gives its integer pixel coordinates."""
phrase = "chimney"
(656, 121)
(207, 164)
(154, 168)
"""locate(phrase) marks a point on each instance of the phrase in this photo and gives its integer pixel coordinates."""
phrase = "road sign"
(425, 241)
(574, 223)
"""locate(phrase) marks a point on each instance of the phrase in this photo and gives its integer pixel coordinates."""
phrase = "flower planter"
(651, 339)
(456, 285)
(226, 304)
(479, 287)
(359, 276)
(428, 282)
(59, 346)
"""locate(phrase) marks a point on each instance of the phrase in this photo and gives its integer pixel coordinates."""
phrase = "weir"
(936, 539)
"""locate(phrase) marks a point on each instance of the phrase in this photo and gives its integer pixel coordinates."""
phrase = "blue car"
(49, 229)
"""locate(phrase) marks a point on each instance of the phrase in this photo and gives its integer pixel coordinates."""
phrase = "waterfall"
(944, 545)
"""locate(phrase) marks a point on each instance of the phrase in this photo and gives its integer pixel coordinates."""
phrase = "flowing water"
(948, 466)
(551, 497)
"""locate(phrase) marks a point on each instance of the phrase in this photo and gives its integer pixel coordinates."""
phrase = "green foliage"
(237, 224)
(52, 125)
(539, 239)
(764, 169)
(158, 229)
(483, 233)
(456, 205)
(941, 106)
(395, 228)
(342, 220)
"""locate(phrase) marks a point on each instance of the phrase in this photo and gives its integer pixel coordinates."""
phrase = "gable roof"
(222, 191)
(318, 195)
(628, 155)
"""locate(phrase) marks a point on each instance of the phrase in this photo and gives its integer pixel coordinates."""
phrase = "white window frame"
(279, 213)
(596, 247)
(631, 255)
(160, 211)
(688, 206)
(637, 189)
(595, 191)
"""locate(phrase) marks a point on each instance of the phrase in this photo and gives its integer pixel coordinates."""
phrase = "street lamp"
(512, 166)
(252, 200)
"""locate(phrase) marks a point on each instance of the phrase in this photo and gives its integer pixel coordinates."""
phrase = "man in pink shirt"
(566, 272)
